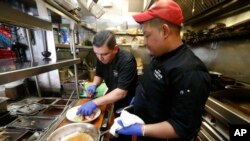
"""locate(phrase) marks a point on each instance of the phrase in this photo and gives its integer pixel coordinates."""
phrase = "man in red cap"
(171, 95)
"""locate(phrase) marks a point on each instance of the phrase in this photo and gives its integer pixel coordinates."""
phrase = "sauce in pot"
(78, 136)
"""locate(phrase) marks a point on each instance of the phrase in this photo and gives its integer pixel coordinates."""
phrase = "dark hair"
(157, 22)
(104, 37)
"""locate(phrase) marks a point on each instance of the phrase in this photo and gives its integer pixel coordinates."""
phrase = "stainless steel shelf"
(89, 29)
(18, 18)
(25, 70)
(66, 46)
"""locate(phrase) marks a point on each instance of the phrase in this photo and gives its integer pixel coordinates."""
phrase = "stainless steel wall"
(231, 57)
(140, 52)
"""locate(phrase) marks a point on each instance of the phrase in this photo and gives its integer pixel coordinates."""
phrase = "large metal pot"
(76, 128)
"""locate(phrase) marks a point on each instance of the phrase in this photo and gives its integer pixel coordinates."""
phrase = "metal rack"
(32, 68)
(217, 120)
(8, 15)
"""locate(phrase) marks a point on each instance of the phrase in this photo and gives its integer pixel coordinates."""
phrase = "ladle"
(45, 53)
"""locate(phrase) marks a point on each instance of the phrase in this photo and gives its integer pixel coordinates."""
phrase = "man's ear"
(165, 30)
(116, 48)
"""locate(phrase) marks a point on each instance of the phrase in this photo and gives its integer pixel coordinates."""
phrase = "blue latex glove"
(87, 108)
(132, 102)
(91, 90)
(135, 129)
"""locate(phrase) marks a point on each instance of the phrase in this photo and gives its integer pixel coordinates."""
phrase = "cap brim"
(142, 17)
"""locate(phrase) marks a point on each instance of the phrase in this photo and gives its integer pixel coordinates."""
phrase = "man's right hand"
(91, 90)
(135, 129)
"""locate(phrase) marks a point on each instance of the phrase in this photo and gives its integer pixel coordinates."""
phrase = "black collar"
(170, 54)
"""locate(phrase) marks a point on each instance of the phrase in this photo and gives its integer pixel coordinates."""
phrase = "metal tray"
(52, 111)
(6, 118)
(63, 102)
(237, 98)
(36, 123)
(12, 134)
(30, 109)
(47, 101)
(29, 100)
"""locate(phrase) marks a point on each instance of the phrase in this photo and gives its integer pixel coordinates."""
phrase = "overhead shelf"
(228, 33)
(53, 6)
(81, 25)
(139, 34)
(18, 18)
(89, 29)
(25, 70)
(132, 45)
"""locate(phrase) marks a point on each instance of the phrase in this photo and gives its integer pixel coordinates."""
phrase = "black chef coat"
(120, 73)
(174, 88)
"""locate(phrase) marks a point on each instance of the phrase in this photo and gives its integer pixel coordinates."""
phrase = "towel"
(127, 119)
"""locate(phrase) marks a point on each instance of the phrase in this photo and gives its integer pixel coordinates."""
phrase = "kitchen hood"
(75, 9)
(65, 8)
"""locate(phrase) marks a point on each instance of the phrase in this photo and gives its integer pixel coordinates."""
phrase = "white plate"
(71, 115)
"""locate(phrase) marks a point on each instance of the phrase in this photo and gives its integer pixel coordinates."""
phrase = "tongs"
(127, 108)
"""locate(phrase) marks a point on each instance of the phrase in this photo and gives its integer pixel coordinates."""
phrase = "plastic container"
(64, 35)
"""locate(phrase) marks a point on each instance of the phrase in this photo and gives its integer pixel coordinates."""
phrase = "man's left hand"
(135, 129)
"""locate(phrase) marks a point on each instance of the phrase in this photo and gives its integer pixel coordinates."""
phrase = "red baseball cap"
(165, 9)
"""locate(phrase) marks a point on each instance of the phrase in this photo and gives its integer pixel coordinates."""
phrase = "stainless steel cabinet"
(24, 70)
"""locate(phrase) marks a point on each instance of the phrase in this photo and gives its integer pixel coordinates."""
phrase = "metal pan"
(85, 131)
(12, 134)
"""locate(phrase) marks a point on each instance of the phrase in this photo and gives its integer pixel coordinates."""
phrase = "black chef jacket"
(120, 73)
(174, 88)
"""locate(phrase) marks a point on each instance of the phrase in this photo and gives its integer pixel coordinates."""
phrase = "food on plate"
(72, 116)
(78, 136)
(79, 118)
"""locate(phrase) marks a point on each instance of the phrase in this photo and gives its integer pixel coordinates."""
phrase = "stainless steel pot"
(74, 128)
(219, 81)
